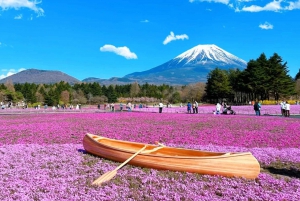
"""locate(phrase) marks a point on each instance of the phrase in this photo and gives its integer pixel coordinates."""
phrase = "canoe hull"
(175, 159)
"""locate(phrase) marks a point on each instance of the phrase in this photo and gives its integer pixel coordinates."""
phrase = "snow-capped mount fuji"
(208, 54)
(191, 66)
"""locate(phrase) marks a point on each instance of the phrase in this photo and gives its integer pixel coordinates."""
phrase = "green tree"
(297, 88)
(104, 90)
(28, 90)
(218, 85)
(51, 98)
(280, 83)
(13, 96)
(175, 97)
(255, 77)
(111, 94)
(2, 86)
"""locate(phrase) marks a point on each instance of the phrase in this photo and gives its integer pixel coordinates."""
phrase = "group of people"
(112, 106)
(190, 107)
(62, 106)
(285, 108)
(8, 105)
(226, 109)
(193, 107)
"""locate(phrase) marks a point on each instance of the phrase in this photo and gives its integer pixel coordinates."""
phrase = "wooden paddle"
(109, 175)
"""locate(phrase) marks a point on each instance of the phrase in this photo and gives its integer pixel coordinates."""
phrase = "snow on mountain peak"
(207, 54)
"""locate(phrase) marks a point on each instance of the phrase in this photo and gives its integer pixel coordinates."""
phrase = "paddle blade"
(109, 175)
(104, 178)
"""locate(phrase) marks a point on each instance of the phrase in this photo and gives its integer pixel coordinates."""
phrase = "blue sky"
(112, 38)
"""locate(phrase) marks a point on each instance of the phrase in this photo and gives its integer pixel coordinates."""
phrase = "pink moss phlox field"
(42, 157)
(201, 129)
(61, 172)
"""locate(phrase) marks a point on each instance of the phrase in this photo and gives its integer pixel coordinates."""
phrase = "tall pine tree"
(218, 85)
(281, 84)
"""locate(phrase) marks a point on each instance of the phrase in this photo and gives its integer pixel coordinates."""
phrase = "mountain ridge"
(40, 77)
(189, 67)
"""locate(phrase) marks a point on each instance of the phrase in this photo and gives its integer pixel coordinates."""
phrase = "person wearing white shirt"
(160, 105)
(196, 107)
(287, 109)
(282, 106)
(129, 107)
(218, 108)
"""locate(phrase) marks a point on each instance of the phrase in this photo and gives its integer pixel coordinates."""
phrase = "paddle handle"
(134, 155)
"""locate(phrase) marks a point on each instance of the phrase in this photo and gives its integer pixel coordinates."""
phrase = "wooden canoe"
(175, 159)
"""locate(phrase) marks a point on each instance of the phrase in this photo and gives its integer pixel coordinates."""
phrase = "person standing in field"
(256, 108)
(287, 109)
(129, 107)
(196, 106)
(282, 107)
(112, 107)
(259, 108)
(189, 106)
(218, 108)
(160, 106)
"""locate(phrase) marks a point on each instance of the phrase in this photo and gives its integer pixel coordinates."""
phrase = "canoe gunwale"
(222, 154)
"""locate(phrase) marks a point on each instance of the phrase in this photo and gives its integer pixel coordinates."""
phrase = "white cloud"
(122, 51)
(266, 26)
(293, 5)
(9, 72)
(18, 17)
(272, 6)
(145, 21)
(17, 4)
(248, 6)
(172, 37)
(275, 5)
